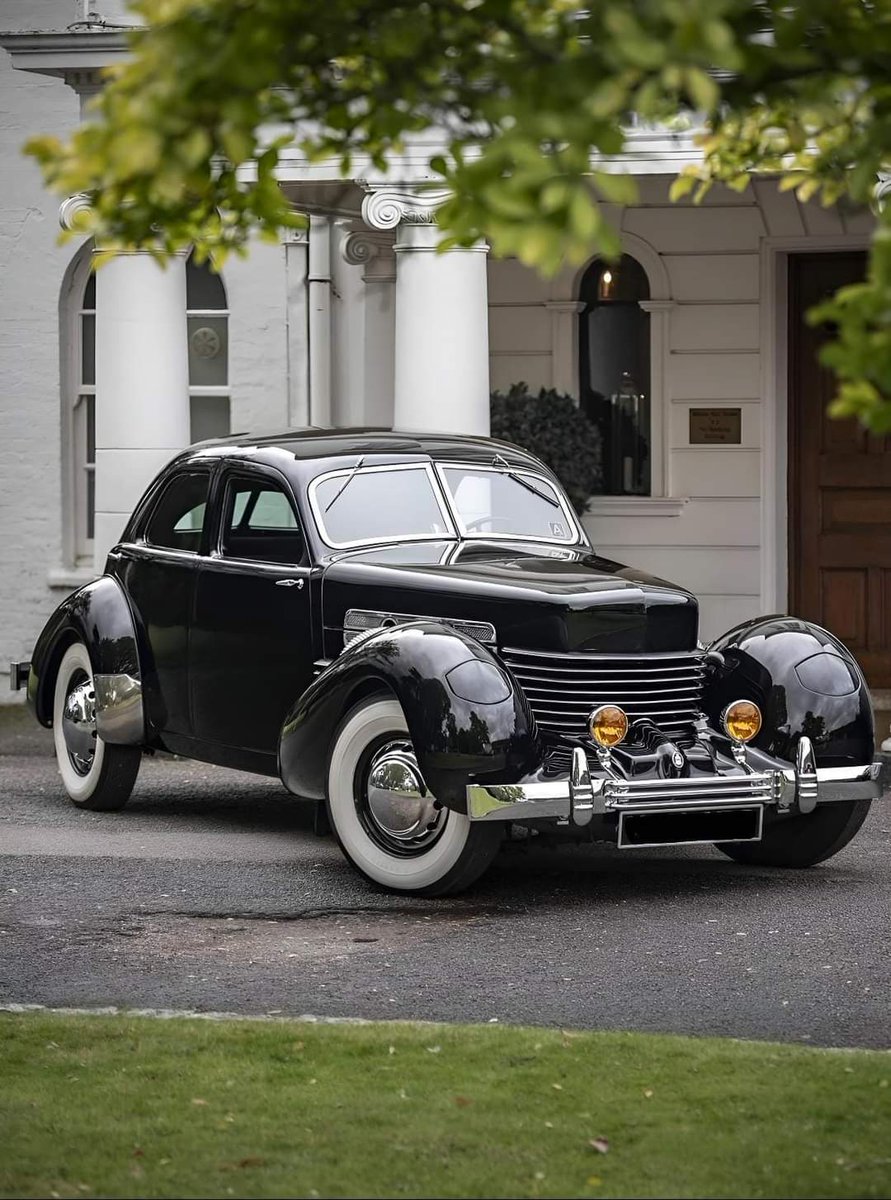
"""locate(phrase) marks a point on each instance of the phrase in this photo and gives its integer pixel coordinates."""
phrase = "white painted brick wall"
(32, 266)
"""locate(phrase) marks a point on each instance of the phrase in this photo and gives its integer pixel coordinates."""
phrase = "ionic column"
(372, 250)
(441, 334)
(142, 379)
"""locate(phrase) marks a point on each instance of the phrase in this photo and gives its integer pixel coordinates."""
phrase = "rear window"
(177, 520)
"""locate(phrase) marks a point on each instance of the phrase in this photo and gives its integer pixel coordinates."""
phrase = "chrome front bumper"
(579, 797)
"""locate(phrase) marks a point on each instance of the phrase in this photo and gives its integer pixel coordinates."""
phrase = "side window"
(177, 521)
(260, 524)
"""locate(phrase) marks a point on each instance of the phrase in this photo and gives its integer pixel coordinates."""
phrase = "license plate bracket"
(689, 827)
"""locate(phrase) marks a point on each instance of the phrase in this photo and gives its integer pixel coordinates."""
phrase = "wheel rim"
(393, 803)
(79, 722)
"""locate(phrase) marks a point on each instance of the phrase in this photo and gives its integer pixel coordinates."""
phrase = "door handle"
(297, 583)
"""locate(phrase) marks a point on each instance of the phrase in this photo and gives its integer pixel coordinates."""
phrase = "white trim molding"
(565, 345)
(660, 426)
(636, 506)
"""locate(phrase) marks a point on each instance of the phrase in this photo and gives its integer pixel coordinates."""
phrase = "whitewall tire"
(388, 825)
(96, 775)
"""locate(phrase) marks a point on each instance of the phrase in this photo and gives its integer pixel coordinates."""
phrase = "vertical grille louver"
(563, 688)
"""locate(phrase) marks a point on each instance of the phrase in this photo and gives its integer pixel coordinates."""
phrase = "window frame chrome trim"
(450, 535)
(441, 467)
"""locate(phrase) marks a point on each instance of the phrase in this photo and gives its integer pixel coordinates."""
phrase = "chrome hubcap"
(79, 724)
(398, 803)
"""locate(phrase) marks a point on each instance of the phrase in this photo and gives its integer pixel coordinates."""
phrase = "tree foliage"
(527, 96)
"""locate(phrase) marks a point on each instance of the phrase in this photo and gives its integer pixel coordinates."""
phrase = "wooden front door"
(839, 487)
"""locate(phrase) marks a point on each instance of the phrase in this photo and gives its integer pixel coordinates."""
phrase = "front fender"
(487, 732)
(805, 682)
(99, 616)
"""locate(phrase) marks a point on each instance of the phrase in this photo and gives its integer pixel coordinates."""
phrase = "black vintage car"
(414, 632)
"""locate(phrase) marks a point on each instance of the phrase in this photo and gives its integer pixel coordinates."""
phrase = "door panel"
(839, 487)
(251, 647)
(251, 652)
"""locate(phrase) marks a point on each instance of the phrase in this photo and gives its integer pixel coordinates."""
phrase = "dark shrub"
(553, 428)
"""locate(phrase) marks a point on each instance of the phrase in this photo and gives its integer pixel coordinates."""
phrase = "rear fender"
(99, 616)
(467, 717)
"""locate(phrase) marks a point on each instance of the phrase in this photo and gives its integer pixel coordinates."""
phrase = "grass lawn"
(134, 1106)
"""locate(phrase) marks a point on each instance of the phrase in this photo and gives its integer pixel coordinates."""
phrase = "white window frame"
(196, 389)
(76, 545)
(661, 501)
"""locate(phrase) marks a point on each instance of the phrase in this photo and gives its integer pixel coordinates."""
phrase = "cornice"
(60, 54)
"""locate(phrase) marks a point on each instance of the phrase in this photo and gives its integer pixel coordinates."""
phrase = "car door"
(158, 570)
(251, 648)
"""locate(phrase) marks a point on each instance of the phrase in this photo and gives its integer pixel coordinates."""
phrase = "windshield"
(356, 507)
(508, 503)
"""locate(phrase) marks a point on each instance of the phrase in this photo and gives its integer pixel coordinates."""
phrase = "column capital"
(373, 250)
(386, 206)
(881, 189)
(72, 208)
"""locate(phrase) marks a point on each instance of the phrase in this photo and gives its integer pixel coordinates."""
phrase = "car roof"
(318, 443)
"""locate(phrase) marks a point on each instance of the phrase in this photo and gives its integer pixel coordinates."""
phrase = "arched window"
(208, 319)
(614, 371)
(209, 398)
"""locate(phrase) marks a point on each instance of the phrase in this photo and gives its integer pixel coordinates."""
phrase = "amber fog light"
(742, 720)
(608, 725)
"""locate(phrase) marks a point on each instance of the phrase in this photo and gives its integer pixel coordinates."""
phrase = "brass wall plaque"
(715, 426)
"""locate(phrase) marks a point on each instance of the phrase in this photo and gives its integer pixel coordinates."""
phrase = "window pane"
(272, 510)
(495, 504)
(614, 353)
(90, 292)
(209, 417)
(208, 351)
(204, 289)
(88, 348)
(261, 524)
(177, 520)
(91, 501)
(379, 506)
(89, 403)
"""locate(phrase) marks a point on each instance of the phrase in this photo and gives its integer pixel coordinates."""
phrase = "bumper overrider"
(696, 808)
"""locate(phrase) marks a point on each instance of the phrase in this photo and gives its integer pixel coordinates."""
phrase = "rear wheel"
(96, 774)
(802, 840)
(387, 823)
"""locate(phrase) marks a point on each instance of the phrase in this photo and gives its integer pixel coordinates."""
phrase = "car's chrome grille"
(563, 688)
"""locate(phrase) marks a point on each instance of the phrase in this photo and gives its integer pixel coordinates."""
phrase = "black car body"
(415, 631)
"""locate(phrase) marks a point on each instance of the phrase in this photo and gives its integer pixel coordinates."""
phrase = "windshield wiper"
(523, 482)
(346, 483)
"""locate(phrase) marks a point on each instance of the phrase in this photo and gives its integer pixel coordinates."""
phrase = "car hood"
(537, 595)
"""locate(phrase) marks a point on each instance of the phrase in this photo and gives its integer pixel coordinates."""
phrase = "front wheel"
(96, 774)
(387, 823)
(802, 840)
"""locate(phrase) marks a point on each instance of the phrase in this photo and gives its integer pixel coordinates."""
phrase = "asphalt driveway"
(210, 891)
